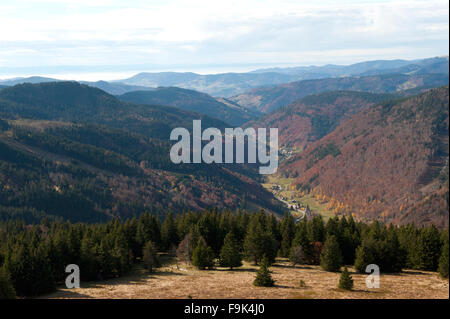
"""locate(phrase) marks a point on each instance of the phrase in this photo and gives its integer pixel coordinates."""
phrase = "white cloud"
(109, 32)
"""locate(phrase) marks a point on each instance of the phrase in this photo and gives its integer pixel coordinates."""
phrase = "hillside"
(312, 117)
(74, 102)
(109, 87)
(31, 79)
(72, 151)
(389, 162)
(270, 98)
(224, 84)
(190, 100)
(114, 88)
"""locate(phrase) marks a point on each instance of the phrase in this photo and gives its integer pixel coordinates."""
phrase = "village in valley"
(300, 205)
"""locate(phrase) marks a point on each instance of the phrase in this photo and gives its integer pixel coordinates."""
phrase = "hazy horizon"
(119, 75)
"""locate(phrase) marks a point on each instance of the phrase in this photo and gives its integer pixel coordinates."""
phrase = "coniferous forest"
(33, 257)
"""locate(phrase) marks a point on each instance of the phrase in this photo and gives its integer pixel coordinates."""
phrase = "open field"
(290, 194)
(316, 207)
(184, 281)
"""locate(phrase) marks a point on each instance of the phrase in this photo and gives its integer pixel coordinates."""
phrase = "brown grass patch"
(184, 281)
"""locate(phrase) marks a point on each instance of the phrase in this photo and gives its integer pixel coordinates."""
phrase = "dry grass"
(186, 282)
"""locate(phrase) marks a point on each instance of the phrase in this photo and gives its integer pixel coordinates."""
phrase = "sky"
(113, 39)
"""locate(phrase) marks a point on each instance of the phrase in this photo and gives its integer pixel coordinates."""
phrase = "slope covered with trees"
(191, 100)
(267, 99)
(389, 161)
(75, 152)
(314, 116)
(74, 102)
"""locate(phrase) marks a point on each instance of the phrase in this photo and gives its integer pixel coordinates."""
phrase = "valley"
(300, 204)
(86, 178)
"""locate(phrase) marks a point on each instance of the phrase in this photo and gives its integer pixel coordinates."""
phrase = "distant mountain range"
(430, 65)
(231, 84)
(268, 99)
(220, 85)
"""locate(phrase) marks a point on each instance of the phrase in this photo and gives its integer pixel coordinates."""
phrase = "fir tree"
(169, 234)
(254, 241)
(202, 256)
(89, 262)
(230, 255)
(316, 229)
(428, 249)
(364, 256)
(287, 234)
(331, 257)
(263, 276)
(443, 260)
(346, 281)
(6, 288)
(150, 256)
(301, 241)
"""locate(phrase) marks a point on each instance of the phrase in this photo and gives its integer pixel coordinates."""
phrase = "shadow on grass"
(164, 273)
(406, 272)
(70, 294)
(291, 267)
(236, 270)
(374, 291)
(283, 286)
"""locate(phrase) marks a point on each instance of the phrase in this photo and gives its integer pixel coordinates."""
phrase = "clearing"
(181, 281)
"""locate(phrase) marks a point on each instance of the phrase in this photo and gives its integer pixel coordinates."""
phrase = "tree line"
(33, 257)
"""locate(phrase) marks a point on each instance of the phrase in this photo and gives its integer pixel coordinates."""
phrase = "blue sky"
(108, 39)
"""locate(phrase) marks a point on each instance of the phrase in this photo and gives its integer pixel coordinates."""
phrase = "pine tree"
(169, 234)
(253, 242)
(202, 256)
(301, 241)
(148, 229)
(331, 257)
(364, 256)
(263, 277)
(121, 253)
(287, 234)
(443, 260)
(346, 281)
(6, 288)
(89, 262)
(230, 255)
(316, 229)
(428, 249)
(150, 256)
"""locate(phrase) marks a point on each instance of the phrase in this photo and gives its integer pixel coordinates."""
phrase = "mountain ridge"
(270, 98)
(388, 162)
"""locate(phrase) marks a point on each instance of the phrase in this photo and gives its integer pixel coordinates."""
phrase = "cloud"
(195, 32)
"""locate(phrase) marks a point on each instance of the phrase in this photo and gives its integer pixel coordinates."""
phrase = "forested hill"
(76, 152)
(191, 100)
(267, 99)
(74, 102)
(389, 162)
(314, 116)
